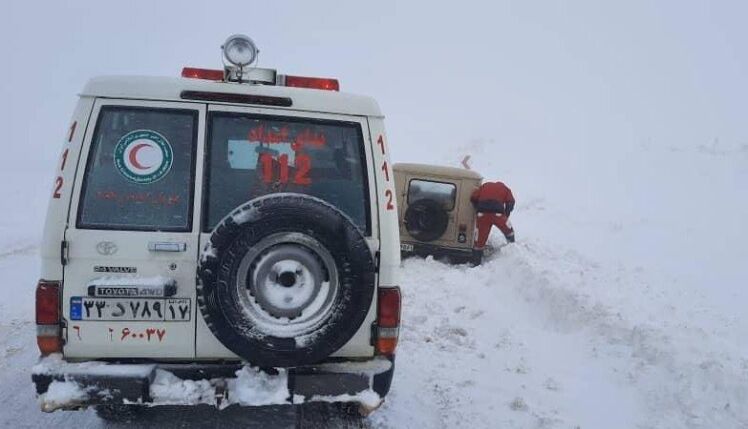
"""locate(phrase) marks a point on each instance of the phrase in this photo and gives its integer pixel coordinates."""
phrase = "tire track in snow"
(472, 342)
(22, 250)
(700, 388)
(11, 339)
(459, 363)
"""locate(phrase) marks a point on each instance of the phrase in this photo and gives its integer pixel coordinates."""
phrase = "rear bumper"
(451, 254)
(62, 385)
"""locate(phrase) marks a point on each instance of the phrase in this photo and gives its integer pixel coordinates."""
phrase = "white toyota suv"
(231, 235)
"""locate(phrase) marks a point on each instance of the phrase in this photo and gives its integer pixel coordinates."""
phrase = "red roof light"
(207, 74)
(313, 83)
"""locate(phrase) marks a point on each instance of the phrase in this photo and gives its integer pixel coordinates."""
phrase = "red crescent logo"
(134, 157)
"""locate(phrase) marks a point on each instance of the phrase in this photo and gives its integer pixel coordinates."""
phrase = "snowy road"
(598, 316)
(527, 342)
(521, 341)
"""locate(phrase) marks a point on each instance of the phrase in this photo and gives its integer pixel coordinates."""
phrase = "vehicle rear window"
(443, 193)
(252, 156)
(140, 170)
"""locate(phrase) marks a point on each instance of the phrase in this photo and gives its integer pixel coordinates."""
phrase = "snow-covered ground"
(620, 306)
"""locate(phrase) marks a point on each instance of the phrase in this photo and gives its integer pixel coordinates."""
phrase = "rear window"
(251, 156)
(442, 193)
(140, 170)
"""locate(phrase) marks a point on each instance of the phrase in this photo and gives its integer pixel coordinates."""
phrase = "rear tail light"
(388, 320)
(48, 332)
(313, 82)
(207, 74)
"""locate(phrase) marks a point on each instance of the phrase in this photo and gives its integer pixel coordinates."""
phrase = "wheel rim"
(287, 284)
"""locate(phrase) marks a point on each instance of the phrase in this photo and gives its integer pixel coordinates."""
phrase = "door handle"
(166, 246)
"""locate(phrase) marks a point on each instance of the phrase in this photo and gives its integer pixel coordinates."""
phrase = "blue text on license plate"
(130, 309)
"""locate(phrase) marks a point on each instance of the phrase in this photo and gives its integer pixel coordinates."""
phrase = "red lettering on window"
(301, 174)
(283, 161)
(259, 134)
(380, 142)
(305, 138)
(267, 167)
(159, 199)
(308, 138)
(303, 166)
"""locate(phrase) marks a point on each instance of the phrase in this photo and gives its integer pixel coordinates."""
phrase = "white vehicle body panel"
(62, 187)
(191, 339)
(389, 258)
(131, 338)
(207, 345)
(170, 88)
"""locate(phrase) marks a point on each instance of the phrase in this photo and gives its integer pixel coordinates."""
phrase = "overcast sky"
(565, 76)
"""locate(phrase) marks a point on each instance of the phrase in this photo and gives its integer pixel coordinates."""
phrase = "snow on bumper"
(64, 385)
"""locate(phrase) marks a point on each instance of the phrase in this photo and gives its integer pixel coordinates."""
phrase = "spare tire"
(426, 220)
(285, 280)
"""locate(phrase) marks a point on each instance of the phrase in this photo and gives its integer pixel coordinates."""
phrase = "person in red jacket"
(493, 203)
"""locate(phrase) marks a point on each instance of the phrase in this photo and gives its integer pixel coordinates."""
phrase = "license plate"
(130, 309)
(406, 247)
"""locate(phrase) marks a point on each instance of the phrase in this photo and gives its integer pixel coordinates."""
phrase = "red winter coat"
(493, 197)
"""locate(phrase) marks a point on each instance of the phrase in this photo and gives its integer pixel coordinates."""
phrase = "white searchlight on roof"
(240, 50)
(239, 53)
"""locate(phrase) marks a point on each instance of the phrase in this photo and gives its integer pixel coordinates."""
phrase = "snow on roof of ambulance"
(170, 89)
(437, 170)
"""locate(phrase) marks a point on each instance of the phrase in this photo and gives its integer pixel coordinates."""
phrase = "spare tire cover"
(285, 280)
(426, 220)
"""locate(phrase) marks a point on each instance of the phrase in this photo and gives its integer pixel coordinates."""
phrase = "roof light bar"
(239, 53)
(327, 84)
(207, 74)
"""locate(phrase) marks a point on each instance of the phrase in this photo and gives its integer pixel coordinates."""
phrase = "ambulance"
(234, 227)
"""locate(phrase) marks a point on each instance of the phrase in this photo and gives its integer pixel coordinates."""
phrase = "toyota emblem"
(106, 248)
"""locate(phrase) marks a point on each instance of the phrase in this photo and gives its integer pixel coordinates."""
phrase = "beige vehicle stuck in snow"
(435, 212)
(236, 228)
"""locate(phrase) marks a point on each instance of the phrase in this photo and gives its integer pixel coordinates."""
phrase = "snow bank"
(247, 215)
(208, 252)
(367, 398)
(254, 387)
(168, 389)
(251, 387)
(61, 394)
(368, 368)
(54, 364)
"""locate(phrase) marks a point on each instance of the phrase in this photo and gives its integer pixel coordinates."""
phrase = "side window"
(252, 156)
(140, 169)
(443, 193)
